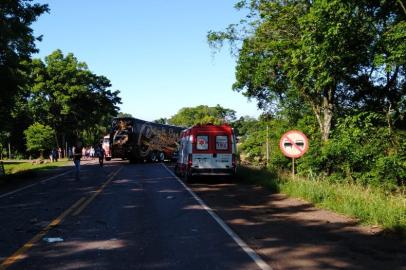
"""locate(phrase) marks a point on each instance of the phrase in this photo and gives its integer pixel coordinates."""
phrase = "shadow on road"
(293, 234)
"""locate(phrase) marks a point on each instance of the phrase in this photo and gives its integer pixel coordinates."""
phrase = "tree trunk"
(327, 111)
(324, 113)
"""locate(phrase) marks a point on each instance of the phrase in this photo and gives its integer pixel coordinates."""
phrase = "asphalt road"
(120, 216)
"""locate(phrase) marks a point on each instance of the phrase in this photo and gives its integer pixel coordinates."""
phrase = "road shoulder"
(291, 233)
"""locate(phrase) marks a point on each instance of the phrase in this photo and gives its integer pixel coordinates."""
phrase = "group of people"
(88, 152)
(55, 154)
(78, 151)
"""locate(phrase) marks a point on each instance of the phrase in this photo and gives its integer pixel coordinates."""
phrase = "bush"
(361, 149)
(39, 138)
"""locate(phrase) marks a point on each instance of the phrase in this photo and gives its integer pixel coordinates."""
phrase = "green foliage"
(332, 69)
(252, 134)
(17, 43)
(202, 114)
(61, 92)
(20, 168)
(361, 150)
(39, 138)
(122, 114)
(370, 206)
(161, 121)
(333, 55)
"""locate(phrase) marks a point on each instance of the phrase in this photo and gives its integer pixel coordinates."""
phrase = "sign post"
(294, 144)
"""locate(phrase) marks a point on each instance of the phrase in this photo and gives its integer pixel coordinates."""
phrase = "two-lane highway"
(121, 216)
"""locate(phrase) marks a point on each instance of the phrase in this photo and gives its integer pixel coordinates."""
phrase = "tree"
(161, 121)
(202, 114)
(65, 95)
(17, 43)
(122, 114)
(333, 55)
(39, 138)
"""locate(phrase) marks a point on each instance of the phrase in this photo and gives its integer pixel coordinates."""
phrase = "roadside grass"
(370, 206)
(24, 169)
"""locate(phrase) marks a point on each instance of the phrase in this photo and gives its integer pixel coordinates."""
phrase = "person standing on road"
(100, 154)
(77, 155)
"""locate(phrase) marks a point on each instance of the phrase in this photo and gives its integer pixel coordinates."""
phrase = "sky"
(155, 52)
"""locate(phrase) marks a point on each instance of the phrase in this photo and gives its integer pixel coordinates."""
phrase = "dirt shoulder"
(292, 234)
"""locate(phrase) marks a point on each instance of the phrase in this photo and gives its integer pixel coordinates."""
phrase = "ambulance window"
(221, 142)
(202, 142)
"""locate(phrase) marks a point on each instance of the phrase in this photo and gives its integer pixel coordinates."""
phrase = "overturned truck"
(138, 140)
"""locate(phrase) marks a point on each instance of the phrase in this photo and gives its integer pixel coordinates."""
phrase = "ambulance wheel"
(161, 157)
(188, 177)
(176, 169)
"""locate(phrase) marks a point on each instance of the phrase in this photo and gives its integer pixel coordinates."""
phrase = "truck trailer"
(138, 140)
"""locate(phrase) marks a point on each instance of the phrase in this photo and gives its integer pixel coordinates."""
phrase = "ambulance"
(207, 150)
(106, 147)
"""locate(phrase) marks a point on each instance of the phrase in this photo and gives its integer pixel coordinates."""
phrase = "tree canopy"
(334, 56)
(39, 138)
(202, 114)
(64, 94)
(17, 43)
(334, 69)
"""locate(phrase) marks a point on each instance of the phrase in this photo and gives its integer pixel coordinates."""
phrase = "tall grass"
(16, 171)
(368, 205)
(24, 167)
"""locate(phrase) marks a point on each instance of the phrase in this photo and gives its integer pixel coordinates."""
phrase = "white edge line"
(254, 256)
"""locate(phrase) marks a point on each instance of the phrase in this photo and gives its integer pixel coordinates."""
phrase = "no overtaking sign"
(294, 144)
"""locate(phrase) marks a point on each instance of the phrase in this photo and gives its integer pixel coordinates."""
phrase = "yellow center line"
(19, 254)
(97, 192)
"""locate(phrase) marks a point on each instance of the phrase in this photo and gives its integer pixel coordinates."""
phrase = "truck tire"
(153, 157)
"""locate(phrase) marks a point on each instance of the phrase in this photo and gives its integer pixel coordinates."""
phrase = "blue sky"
(155, 52)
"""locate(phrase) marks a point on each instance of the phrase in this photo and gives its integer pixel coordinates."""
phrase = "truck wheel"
(133, 161)
(153, 157)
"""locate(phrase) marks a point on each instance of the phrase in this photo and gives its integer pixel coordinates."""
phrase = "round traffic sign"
(293, 144)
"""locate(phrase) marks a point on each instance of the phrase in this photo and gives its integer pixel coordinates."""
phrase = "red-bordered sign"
(294, 144)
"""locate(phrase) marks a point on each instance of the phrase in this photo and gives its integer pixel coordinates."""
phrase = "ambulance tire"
(188, 177)
(161, 157)
(176, 170)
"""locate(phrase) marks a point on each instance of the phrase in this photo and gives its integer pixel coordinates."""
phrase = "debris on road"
(52, 239)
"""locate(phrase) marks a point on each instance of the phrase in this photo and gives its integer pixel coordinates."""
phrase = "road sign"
(294, 144)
